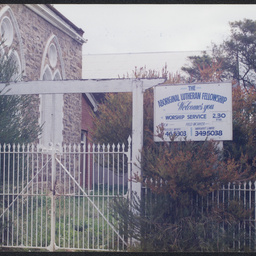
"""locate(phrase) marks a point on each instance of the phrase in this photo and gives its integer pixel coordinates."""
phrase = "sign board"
(196, 111)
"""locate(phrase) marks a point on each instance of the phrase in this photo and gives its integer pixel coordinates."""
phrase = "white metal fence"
(233, 203)
(238, 199)
(62, 198)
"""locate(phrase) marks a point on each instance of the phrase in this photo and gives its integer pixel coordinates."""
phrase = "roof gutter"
(54, 17)
(92, 101)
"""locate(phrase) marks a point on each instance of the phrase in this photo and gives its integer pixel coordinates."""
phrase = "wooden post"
(137, 132)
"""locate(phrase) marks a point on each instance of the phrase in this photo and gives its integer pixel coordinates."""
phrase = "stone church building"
(47, 46)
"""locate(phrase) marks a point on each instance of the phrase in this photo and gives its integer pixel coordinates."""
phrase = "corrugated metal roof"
(99, 66)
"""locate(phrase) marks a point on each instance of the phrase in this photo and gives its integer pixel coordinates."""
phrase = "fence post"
(53, 201)
(129, 162)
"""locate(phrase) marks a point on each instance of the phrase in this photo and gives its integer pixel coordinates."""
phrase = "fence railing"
(234, 206)
(239, 200)
(25, 184)
(81, 184)
(62, 198)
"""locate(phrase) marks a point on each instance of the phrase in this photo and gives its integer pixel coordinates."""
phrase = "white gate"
(62, 199)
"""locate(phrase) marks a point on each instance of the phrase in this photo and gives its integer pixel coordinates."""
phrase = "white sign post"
(194, 112)
(137, 87)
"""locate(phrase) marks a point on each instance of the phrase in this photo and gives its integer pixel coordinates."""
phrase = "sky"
(116, 28)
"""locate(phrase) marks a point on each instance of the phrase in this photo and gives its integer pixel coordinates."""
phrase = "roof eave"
(54, 17)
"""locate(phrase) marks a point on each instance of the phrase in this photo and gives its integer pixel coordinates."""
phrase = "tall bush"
(18, 122)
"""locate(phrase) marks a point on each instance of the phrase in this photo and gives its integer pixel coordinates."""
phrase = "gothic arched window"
(51, 113)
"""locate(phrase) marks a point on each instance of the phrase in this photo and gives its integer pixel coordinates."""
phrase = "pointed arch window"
(6, 29)
(10, 34)
(51, 113)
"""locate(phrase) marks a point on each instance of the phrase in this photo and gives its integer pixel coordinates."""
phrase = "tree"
(113, 120)
(204, 69)
(234, 59)
(244, 127)
(239, 52)
(17, 123)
